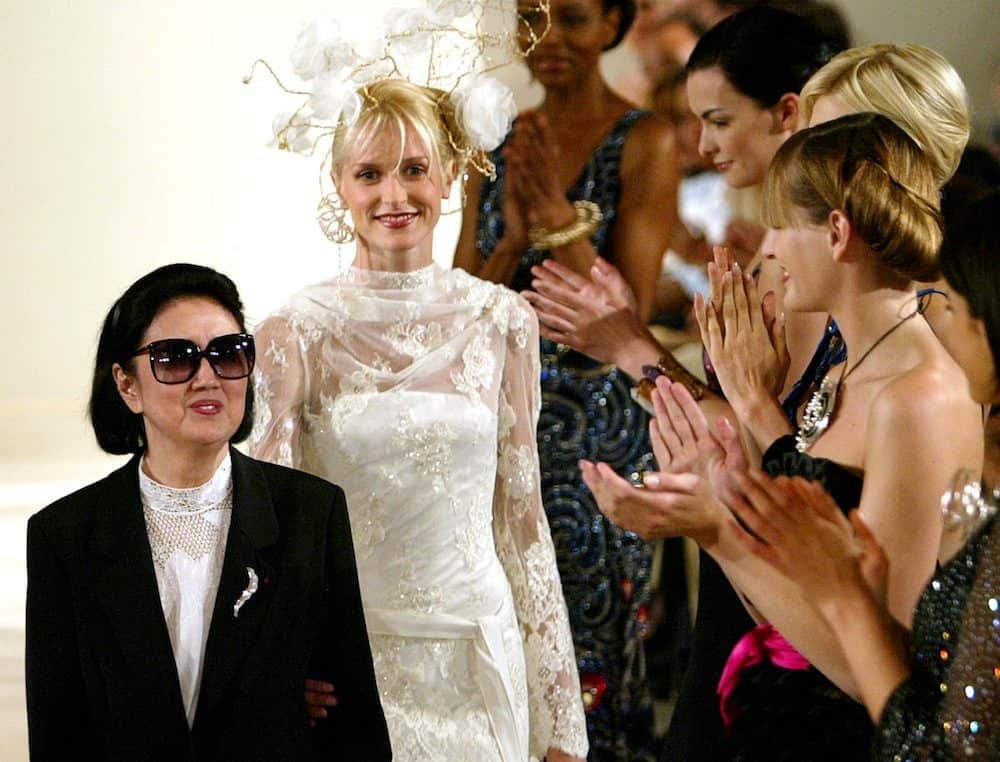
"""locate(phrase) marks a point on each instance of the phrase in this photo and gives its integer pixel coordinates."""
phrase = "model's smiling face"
(802, 249)
(738, 135)
(394, 193)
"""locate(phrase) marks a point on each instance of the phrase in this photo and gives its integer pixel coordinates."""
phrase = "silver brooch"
(245, 596)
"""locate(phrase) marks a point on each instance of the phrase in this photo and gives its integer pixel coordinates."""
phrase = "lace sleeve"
(279, 393)
(525, 548)
(961, 718)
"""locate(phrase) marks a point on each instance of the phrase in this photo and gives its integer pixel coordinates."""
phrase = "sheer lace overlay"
(187, 531)
(418, 394)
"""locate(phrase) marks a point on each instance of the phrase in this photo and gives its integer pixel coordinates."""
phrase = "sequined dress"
(949, 708)
(797, 715)
(417, 393)
(587, 412)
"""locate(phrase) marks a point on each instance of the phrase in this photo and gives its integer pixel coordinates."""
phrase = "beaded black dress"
(797, 715)
(587, 412)
(949, 708)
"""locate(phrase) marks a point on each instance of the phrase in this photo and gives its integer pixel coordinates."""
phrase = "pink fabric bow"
(762, 642)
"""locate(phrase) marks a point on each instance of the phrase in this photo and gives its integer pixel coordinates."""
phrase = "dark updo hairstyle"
(626, 15)
(869, 168)
(118, 430)
(763, 52)
(969, 262)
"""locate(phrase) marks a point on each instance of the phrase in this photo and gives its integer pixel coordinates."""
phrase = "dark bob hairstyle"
(969, 263)
(118, 430)
(763, 52)
(626, 15)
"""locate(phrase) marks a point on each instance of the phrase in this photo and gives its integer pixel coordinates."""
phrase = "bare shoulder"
(933, 394)
(650, 140)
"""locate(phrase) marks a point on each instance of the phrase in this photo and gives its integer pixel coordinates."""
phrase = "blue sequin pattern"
(587, 412)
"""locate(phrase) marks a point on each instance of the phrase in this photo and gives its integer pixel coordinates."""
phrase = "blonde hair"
(405, 106)
(866, 166)
(914, 86)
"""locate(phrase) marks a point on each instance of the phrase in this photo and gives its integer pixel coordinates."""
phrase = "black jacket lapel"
(254, 527)
(125, 584)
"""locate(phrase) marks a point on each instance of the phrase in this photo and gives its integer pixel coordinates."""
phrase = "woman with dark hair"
(176, 606)
(586, 173)
(933, 694)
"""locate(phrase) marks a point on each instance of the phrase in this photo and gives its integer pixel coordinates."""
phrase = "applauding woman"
(176, 606)
(855, 204)
(937, 698)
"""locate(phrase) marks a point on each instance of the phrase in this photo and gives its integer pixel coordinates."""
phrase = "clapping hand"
(743, 337)
(538, 186)
(682, 441)
(595, 316)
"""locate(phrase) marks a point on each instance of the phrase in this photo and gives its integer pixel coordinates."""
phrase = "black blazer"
(101, 678)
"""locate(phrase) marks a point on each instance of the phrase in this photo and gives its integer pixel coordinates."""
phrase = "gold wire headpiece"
(444, 45)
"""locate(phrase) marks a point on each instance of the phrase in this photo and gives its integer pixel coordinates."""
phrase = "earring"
(333, 219)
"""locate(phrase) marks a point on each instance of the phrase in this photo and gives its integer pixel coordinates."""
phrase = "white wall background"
(128, 141)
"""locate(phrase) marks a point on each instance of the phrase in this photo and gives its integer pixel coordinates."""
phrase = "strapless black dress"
(792, 714)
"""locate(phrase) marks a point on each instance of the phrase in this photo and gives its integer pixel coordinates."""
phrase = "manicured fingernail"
(651, 480)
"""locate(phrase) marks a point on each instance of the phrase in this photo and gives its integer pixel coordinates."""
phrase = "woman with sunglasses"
(176, 606)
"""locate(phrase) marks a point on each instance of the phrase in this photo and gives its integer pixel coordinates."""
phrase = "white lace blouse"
(187, 531)
(419, 394)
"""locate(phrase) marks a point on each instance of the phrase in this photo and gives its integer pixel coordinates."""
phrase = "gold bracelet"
(588, 217)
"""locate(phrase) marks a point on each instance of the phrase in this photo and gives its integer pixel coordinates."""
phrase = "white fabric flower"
(485, 108)
(447, 11)
(409, 30)
(291, 132)
(334, 96)
(320, 48)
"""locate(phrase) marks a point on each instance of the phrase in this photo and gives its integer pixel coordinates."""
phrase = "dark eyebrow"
(708, 112)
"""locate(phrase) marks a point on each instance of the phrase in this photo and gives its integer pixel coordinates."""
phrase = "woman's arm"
(922, 429)
(279, 393)
(524, 546)
(647, 210)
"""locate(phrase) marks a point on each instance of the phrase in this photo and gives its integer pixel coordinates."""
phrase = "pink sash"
(762, 642)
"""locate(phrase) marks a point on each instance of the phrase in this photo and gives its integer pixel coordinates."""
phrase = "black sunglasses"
(175, 361)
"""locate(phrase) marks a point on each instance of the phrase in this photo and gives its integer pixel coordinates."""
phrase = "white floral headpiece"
(440, 45)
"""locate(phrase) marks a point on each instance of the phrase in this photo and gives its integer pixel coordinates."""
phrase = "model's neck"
(865, 318)
(367, 258)
(586, 101)
(182, 467)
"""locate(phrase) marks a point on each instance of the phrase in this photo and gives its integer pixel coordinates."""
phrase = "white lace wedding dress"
(418, 393)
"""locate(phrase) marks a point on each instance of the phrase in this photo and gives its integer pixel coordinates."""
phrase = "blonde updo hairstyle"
(401, 105)
(914, 86)
(869, 168)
